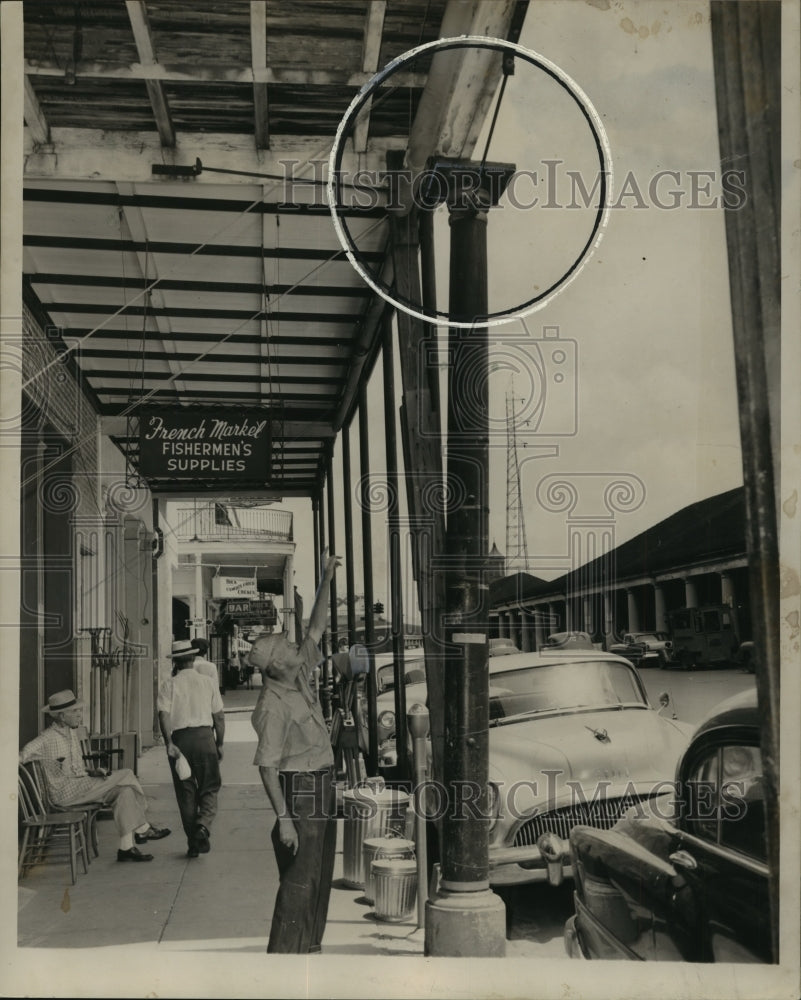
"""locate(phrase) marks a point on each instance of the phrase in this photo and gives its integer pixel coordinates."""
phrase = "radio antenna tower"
(516, 545)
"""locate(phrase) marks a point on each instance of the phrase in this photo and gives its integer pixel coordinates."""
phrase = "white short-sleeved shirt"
(205, 667)
(190, 698)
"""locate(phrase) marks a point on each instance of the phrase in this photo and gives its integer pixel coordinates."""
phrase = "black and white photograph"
(400, 424)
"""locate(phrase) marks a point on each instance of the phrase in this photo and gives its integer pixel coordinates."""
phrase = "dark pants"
(197, 796)
(301, 905)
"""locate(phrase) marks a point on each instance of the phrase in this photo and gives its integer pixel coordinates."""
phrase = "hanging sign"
(234, 586)
(243, 612)
(206, 444)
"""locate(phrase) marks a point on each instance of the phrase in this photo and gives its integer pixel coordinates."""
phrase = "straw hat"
(182, 648)
(61, 700)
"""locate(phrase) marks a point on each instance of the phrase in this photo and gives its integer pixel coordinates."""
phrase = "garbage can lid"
(395, 866)
(388, 843)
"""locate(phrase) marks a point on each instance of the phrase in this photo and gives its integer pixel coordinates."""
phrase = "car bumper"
(572, 940)
(546, 861)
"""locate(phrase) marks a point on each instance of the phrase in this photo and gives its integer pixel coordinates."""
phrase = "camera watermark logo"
(543, 370)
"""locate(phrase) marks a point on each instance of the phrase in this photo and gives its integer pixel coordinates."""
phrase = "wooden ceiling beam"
(35, 118)
(187, 377)
(137, 14)
(96, 155)
(460, 85)
(371, 49)
(223, 73)
(258, 58)
(230, 359)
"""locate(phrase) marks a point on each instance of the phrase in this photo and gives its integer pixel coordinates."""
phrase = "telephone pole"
(516, 544)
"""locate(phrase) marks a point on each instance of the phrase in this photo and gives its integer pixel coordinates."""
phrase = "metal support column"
(325, 645)
(347, 498)
(367, 570)
(396, 591)
(316, 533)
(332, 546)
(466, 918)
(154, 590)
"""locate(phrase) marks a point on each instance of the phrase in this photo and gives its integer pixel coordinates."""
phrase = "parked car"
(745, 656)
(645, 649)
(685, 879)
(572, 739)
(569, 640)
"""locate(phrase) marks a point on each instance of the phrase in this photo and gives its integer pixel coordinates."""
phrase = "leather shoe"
(154, 833)
(202, 839)
(133, 854)
(192, 852)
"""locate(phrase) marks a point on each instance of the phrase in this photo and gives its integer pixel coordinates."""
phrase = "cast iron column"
(348, 507)
(367, 571)
(395, 594)
(465, 918)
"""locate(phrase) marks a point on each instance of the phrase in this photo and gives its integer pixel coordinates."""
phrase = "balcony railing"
(225, 523)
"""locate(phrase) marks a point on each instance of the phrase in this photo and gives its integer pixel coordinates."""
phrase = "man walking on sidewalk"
(192, 721)
(201, 664)
(296, 765)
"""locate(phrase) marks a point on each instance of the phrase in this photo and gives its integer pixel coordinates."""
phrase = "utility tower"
(516, 545)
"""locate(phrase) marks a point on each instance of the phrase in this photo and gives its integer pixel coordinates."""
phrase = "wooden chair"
(100, 752)
(89, 809)
(47, 833)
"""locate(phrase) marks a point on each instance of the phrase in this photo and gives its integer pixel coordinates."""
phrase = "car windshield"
(414, 671)
(649, 636)
(565, 687)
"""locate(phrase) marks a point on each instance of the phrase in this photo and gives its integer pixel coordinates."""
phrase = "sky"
(650, 395)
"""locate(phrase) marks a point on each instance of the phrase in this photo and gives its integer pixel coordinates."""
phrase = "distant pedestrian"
(296, 765)
(201, 664)
(192, 721)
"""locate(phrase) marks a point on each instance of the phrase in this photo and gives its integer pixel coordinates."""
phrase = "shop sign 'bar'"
(207, 444)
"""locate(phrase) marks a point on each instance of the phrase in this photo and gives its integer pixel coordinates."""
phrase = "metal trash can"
(386, 848)
(371, 810)
(395, 889)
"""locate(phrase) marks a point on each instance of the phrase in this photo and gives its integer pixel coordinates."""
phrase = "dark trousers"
(197, 795)
(301, 906)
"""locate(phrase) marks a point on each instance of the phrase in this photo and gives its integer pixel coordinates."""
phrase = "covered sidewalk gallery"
(228, 218)
(227, 224)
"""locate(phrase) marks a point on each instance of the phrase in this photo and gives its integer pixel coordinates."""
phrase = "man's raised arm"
(319, 612)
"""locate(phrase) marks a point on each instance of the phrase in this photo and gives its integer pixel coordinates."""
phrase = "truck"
(704, 636)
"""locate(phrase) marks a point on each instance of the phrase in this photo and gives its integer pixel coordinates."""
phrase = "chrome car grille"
(602, 815)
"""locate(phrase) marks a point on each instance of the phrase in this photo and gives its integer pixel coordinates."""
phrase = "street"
(536, 914)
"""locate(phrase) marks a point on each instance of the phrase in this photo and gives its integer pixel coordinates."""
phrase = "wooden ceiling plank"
(35, 118)
(258, 55)
(137, 14)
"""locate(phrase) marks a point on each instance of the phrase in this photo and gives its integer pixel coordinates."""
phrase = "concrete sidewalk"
(222, 901)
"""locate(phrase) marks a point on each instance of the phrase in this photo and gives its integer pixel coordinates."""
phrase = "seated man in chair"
(71, 785)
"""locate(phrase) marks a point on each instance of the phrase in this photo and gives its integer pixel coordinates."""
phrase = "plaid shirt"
(59, 748)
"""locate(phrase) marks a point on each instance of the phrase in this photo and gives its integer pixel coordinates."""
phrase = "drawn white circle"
(606, 173)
